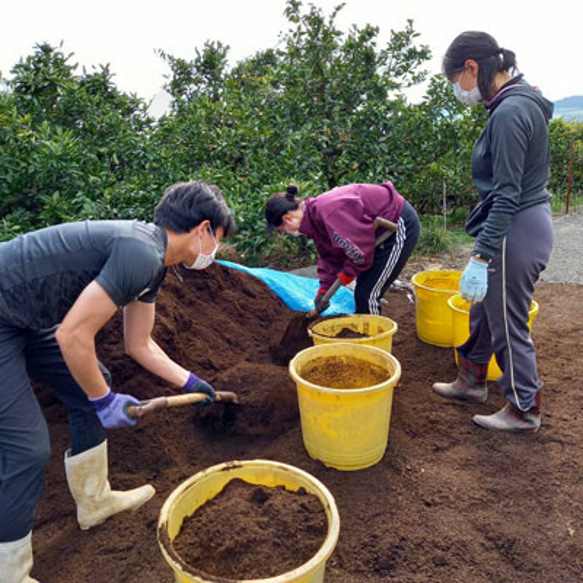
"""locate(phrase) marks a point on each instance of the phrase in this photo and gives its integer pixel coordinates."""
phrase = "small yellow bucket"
(432, 290)
(378, 331)
(460, 310)
(205, 485)
(346, 429)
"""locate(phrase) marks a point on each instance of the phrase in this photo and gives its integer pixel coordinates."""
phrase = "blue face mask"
(471, 97)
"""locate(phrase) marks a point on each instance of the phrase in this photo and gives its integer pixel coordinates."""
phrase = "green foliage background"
(323, 109)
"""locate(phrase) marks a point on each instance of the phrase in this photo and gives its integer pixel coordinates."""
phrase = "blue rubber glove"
(195, 384)
(111, 409)
(474, 282)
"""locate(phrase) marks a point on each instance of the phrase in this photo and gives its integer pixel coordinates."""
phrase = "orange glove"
(345, 279)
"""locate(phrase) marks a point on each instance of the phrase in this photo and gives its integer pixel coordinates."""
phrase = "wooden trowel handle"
(385, 223)
(189, 398)
(137, 411)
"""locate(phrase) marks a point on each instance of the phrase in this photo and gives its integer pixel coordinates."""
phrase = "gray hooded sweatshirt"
(510, 163)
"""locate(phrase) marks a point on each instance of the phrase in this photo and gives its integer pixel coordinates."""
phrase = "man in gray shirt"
(58, 287)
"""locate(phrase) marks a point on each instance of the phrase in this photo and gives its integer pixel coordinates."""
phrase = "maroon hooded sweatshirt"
(341, 224)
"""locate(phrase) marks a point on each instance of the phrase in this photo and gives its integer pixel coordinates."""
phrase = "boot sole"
(507, 430)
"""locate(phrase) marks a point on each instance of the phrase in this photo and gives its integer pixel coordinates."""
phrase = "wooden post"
(571, 160)
(444, 206)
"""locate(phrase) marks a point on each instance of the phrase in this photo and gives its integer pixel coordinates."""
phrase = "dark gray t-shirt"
(43, 273)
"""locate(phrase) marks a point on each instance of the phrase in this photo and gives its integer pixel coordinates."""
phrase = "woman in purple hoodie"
(341, 224)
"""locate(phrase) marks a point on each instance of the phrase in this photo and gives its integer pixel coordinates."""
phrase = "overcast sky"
(547, 37)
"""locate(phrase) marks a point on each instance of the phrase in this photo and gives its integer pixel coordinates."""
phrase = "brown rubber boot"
(511, 418)
(470, 384)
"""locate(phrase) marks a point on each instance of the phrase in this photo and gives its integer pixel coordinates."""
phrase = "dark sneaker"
(510, 418)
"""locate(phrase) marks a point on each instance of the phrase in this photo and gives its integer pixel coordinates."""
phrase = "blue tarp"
(298, 292)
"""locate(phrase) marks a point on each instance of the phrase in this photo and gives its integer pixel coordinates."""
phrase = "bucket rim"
(392, 380)
(534, 305)
(416, 276)
(325, 497)
(391, 332)
(451, 304)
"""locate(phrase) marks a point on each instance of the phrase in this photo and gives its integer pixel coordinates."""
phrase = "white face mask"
(472, 97)
(203, 260)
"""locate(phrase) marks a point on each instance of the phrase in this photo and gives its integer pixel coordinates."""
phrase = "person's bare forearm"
(155, 360)
(79, 354)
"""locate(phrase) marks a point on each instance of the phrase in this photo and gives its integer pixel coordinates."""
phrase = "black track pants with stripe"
(389, 260)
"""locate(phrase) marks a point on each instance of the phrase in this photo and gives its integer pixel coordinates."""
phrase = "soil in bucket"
(339, 372)
(348, 333)
(252, 532)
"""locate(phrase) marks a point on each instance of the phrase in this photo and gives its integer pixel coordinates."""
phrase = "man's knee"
(34, 453)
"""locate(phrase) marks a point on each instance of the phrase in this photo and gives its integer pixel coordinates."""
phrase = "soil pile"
(217, 323)
(448, 502)
(253, 532)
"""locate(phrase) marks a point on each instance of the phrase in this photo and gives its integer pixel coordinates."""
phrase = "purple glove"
(195, 384)
(111, 409)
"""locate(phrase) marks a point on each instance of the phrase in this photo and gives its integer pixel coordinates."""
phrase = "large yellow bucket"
(207, 484)
(434, 319)
(460, 310)
(346, 429)
(378, 331)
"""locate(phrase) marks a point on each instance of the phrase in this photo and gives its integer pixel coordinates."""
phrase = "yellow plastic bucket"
(378, 330)
(433, 317)
(460, 310)
(346, 429)
(205, 485)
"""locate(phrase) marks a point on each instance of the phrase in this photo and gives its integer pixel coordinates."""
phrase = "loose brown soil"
(336, 372)
(449, 502)
(262, 532)
(284, 345)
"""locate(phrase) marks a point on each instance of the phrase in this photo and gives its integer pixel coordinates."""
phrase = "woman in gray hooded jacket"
(512, 229)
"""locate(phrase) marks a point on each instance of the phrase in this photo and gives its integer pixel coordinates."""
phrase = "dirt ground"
(449, 502)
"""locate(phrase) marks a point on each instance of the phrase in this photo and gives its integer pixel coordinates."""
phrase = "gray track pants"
(499, 324)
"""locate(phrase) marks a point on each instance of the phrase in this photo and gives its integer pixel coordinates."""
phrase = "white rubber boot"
(16, 561)
(87, 479)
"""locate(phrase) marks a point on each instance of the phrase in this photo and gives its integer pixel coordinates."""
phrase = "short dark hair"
(482, 48)
(185, 205)
(280, 204)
